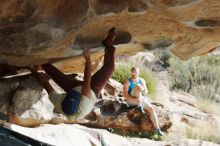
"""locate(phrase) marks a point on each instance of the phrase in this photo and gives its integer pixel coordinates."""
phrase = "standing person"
(133, 90)
(80, 96)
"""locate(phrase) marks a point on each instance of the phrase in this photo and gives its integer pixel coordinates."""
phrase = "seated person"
(133, 90)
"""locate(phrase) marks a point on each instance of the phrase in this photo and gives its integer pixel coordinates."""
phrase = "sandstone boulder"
(8, 87)
(40, 32)
(31, 105)
(69, 135)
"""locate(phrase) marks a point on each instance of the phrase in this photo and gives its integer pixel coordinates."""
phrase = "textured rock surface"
(8, 87)
(69, 135)
(31, 106)
(185, 113)
(39, 31)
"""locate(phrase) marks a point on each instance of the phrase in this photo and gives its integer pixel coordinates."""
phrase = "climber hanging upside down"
(80, 96)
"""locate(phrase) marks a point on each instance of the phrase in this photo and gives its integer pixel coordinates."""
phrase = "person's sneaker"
(159, 132)
(109, 38)
(113, 37)
(142, 111)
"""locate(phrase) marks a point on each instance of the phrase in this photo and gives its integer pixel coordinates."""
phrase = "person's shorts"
(144, 101)
(85, 107)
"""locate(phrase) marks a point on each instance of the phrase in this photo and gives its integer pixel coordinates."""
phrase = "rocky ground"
(73, 135)
(26, 103)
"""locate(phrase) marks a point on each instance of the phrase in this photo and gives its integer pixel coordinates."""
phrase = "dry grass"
(208, 106)
(207, 133)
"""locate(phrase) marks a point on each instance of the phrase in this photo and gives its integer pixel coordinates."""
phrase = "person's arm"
(143, 83)
(41, 78)
(127, 96)
(86, 88)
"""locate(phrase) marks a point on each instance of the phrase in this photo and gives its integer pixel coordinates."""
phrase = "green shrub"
(198, 76)
(164, 56)
(145, 134)
(140, 134)
(122, 73)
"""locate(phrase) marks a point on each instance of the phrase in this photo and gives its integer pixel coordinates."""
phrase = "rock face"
(26, 103)
(31, 103)
(30, 106)
(80, 135)
(39, 31)
(8, 87)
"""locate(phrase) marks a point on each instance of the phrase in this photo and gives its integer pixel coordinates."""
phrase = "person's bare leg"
(138, 93)
(64, 81)
(154, 120)
(147, 107)
(101, 77)
(153, 116)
